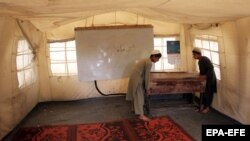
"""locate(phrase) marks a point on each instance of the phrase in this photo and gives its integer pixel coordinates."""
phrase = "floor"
(111, 108)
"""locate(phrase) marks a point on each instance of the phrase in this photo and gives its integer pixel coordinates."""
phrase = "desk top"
(173, 75)
(175, 82)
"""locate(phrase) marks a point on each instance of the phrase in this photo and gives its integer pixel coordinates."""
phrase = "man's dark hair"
(196, 52)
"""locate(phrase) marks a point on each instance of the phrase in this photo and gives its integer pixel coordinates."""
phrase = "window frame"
(25, 81)
(66, 62)
(165, 58)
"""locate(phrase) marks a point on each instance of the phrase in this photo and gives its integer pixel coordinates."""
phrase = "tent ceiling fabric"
(49, 14)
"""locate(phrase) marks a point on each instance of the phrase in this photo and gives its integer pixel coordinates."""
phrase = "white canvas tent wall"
(41, 20)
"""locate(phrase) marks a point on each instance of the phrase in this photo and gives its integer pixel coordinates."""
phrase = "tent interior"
(30, 74)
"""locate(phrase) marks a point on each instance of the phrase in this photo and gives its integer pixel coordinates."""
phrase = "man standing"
(206, 72)
(138, 83)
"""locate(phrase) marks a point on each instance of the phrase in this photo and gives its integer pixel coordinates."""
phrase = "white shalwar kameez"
(138, 84)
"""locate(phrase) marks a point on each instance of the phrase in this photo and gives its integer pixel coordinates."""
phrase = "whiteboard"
(111, 52)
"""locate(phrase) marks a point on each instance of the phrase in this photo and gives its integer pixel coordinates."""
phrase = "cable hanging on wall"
(96, 86)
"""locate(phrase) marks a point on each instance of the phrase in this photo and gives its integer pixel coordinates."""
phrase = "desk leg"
(189, 97)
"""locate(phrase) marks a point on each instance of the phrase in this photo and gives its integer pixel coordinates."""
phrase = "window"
(24, 64)
(62, 57)
(209, 46)
(164, 63)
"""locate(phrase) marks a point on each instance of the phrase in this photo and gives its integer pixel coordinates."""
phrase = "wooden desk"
(162, 83)
(175, 82)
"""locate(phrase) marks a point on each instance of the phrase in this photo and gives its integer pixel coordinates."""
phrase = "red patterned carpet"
(158, 129)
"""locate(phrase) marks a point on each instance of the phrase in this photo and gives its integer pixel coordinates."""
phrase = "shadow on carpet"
(158, 129)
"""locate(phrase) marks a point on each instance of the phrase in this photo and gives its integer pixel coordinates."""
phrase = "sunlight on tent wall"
(24, 64)
(62, 58)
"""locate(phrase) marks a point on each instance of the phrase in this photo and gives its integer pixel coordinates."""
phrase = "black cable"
(107, 94)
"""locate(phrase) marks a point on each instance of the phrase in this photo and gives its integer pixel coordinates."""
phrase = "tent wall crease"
(66, 31)
(49, 14)
(15, 103)
(244, 51)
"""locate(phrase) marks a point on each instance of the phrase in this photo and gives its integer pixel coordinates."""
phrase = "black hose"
(123, 94)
